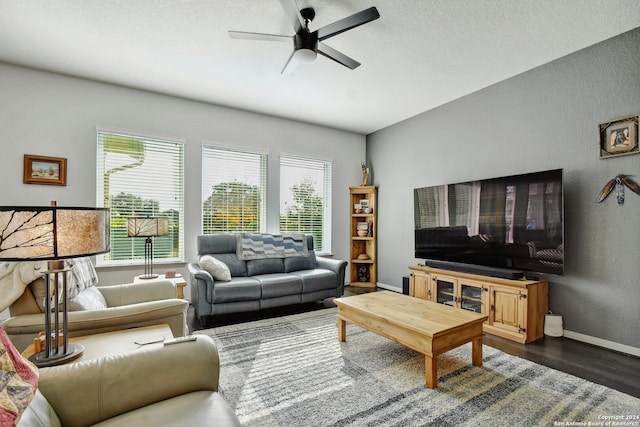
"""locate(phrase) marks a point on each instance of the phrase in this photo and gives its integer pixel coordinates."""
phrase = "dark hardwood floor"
(596, 364)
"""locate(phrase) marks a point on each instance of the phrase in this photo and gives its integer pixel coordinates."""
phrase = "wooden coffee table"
(424, 326)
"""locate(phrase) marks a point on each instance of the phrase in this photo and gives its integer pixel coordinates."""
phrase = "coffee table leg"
(431, 370)
(342, 330)
(476, 352)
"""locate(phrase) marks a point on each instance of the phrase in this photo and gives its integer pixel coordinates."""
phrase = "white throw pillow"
(215, 267)
(89, 299)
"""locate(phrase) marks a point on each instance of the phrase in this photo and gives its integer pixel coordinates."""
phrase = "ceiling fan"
(307, 44)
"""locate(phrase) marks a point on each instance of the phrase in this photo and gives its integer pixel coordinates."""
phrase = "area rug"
(292, 371)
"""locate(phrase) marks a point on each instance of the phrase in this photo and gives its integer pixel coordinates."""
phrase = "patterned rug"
(292, 371)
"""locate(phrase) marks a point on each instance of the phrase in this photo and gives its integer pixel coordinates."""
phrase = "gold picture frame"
(619, 137)
(44, 170)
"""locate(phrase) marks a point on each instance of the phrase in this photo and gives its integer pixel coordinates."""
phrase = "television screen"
(514, 222)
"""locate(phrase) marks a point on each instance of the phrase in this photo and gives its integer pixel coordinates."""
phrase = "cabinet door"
(444, 289)
(473, 296)
(507, 309)
(421, 286)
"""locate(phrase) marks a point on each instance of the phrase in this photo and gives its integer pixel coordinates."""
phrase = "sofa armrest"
(199, 273)
(133, 293)
(336, 265)
(91, 391)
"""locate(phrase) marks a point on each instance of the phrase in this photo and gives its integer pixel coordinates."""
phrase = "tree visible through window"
(234, 188)
(305, 198)
(140, 176)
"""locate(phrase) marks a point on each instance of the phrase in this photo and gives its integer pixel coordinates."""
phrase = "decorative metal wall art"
(619, 182)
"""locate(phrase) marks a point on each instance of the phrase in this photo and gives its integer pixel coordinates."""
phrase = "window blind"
(234, 190)
(305, 198)
(140, 176)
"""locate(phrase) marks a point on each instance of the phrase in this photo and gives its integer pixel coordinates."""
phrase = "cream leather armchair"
(129, 305)
(156, 385)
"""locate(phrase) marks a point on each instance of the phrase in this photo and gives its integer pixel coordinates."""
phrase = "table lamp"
(35, 233)
(148, 226)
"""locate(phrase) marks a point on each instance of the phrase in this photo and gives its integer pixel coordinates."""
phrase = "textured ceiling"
(418, 55)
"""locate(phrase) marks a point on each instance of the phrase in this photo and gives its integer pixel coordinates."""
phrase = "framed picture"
(44, 170)
(363, 226)
(364, 203)
(619, 137)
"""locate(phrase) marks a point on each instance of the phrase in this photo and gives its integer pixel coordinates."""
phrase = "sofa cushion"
(83, 275)
(316, 280)
(18, 381)
(279, 284)
(237, 268)
(88, 299)
(39, 290)
(215, 267)
(238, 289)
(265, 266)
(300, 263)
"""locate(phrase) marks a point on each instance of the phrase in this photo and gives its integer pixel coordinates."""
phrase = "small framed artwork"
(363, 226)
(364, 203)
(619, 137)
(44, 170)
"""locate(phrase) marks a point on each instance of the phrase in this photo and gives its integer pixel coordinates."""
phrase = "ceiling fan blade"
(259, 36)
(291, 10)
(291, 65)
(339, 57)
(348, 23)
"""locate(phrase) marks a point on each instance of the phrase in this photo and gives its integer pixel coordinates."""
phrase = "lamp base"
(148, 276)
(57, 357)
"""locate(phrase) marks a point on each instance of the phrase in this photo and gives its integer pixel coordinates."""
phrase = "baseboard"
(621, 348)
(383, 286)
(389, 287)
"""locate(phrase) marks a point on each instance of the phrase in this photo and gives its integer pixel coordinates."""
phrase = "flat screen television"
(508, 226)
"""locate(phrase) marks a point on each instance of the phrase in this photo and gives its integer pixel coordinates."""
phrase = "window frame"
(262, 177)
(326, 166)
(176, 187)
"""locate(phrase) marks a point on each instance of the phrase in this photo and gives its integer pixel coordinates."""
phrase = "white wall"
(543, 119)
(53, 115)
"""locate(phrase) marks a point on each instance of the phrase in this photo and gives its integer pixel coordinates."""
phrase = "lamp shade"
(145, 226)
(52, 232)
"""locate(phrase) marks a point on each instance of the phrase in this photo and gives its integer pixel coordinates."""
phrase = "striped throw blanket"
(260, 246)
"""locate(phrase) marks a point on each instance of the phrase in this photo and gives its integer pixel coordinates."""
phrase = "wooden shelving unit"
(363, 236)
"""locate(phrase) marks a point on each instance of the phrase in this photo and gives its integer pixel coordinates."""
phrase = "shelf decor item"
(35, 233)
(44, 170)
(619, 137)
(148, 226)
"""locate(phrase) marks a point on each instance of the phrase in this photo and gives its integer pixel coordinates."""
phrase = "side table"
(179, 281)
(116, 342)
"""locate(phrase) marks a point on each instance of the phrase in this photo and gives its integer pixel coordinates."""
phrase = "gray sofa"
(258, 284)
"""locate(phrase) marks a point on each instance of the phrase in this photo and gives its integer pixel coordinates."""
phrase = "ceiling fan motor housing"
(306, 44)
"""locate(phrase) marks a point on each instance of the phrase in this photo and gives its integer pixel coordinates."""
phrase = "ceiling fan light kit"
(307, 44)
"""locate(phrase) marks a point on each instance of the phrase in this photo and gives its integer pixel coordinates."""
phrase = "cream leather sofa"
(128, 306)
(156, 385)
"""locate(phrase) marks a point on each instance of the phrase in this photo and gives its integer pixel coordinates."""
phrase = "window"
(305, 198)
(234, 190)
(141, 176)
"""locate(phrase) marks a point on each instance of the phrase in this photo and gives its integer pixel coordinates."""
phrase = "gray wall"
(543, 119)
(53, 115)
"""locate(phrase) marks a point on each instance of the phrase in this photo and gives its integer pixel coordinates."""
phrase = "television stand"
(515, 308)
(504, 273)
